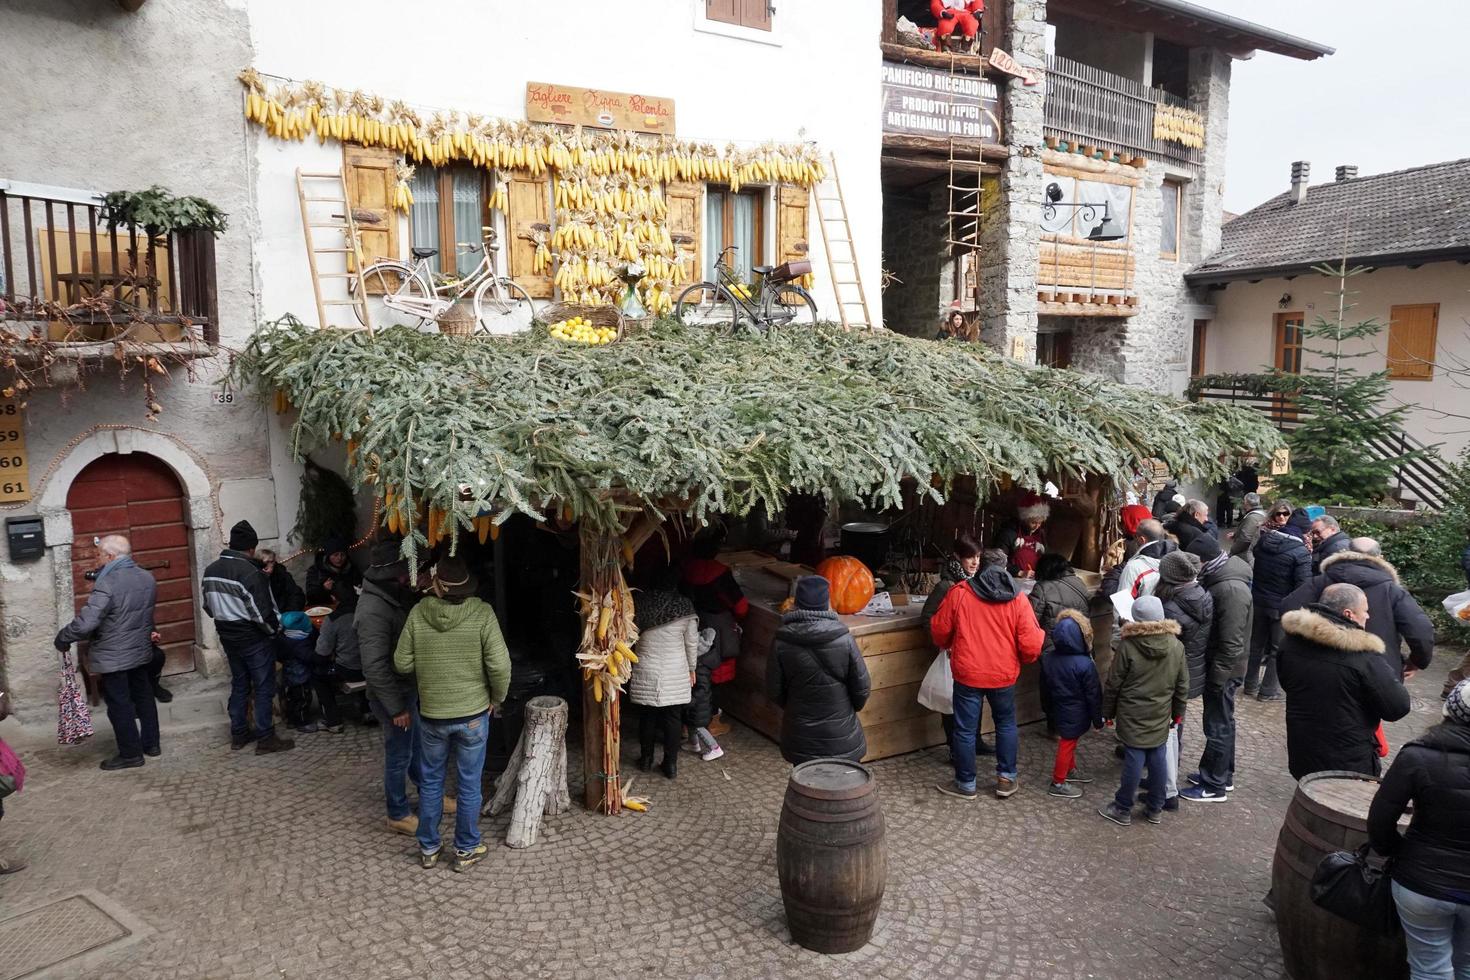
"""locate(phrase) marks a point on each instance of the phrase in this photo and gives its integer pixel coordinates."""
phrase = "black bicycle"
(777, 301)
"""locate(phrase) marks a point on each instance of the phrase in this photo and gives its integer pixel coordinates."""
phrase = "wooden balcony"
(67, 280)
(1091, 107)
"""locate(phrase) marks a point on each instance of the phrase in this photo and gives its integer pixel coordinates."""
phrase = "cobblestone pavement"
(279, 866)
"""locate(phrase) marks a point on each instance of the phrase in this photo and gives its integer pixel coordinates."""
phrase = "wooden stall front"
(896, 649)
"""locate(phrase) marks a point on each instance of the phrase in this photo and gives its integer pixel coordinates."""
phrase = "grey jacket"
(1243, 543)
(117, 619)
(378, 622)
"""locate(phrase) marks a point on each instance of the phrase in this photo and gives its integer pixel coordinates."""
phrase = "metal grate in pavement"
(52, 934)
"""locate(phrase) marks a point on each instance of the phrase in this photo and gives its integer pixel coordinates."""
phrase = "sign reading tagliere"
(15, 481)
(924, 102)
(547, 103)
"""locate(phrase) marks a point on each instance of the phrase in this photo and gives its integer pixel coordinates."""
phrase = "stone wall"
(914, 252)
(1010, 234)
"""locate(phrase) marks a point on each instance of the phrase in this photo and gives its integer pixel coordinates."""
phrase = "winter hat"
(812, 592)
(1147, 609)
(296, 625)
(1298, 524)
(1032, 507)
(1457, 705)
(1205, 548)
(1178, 568)
(452, 579)
(334, 544)
(385, 554)
(243, 537)
(1133, 515)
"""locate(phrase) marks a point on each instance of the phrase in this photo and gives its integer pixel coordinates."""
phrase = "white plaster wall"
(816, 77)
(1242, 336)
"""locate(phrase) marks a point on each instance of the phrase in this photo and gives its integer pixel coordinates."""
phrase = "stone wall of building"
(914, 252)
(1010, 234)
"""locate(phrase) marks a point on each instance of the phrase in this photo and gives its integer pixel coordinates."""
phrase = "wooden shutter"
(370, 179)
(791, 225)
(686, 211)
(528, 203)
(756, 14)
(1413, 335)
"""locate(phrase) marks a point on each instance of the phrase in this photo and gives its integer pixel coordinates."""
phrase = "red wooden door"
(137, 495)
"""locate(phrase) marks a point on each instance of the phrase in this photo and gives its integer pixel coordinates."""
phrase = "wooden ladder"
(315, 190)
(840, 233)
(963, 228)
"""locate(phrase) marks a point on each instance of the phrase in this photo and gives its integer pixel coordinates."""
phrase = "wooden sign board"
(547, 103)
(924, 102)
(15, 474)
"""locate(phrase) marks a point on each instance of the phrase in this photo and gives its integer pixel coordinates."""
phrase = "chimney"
(1301, 175)
(1347, 172)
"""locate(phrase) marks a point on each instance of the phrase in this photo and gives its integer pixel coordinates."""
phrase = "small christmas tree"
(1344, 446)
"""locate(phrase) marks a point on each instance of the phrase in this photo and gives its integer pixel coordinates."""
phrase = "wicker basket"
(598, 316)
(458, 320)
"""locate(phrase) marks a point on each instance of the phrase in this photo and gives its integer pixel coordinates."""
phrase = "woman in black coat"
(1431, 862)
(817, 676)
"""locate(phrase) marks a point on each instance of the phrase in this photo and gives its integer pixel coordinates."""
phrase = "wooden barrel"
(830, 855)
(1328, 813)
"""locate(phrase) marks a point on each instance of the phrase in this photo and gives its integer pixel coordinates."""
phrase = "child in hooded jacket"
(304, 672)
(1071, 695)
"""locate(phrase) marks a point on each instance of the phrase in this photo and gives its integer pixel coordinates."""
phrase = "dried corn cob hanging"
(606, 657)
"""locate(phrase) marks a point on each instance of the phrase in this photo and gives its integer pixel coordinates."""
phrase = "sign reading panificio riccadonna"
(924, 102)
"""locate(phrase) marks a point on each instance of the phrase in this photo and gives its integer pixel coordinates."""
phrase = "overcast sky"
(1391, 97)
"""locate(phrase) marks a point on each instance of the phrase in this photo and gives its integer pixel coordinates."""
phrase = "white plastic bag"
(1458, 605)
(937, 691)
(1171, 760)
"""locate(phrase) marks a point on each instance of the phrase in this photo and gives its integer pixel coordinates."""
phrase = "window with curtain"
(448, 207)
(733, 219)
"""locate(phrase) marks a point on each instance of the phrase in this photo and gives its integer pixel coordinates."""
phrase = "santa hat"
(1132, 516)
(1031, 506)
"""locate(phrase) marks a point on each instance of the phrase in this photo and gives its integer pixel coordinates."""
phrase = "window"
(733, 219)
(1197, 352)
(755, 14)
(1413, 335)
(448, 207)
(1054, 349)
(1169, 219)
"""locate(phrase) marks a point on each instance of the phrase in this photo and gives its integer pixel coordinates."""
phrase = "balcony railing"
(62, 268)
(1419, 472)
(1090, 106)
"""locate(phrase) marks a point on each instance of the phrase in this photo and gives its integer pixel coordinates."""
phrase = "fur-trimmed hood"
(1155, 628)
(1356, 556)
(1083, 623)
(1317, 625)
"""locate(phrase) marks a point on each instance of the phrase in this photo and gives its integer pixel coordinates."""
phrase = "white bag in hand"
(937, 691)
(1458, 605)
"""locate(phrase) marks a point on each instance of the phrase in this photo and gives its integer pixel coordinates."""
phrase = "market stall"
(454, 436)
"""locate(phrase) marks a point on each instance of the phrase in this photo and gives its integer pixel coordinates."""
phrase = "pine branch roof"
(708, 421)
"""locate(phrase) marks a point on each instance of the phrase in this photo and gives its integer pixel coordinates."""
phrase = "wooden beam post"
(601, 717)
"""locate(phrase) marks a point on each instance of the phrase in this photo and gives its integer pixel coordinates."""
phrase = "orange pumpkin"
(850, 581)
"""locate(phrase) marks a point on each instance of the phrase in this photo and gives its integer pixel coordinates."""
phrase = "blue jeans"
(436, 739)
(1134, 760)
(1217, 762)
(252, 669)
(1437, 933)
(967, 705)
(401, 758)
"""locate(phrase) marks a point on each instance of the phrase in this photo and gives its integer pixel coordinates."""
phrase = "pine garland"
(706, 421)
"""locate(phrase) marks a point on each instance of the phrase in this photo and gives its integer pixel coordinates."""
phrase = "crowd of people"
(1283, 607)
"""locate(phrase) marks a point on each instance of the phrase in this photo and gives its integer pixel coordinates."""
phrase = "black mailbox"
(27, 538)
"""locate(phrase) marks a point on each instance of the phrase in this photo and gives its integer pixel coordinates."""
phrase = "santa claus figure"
(960, 17)
(1024, 539)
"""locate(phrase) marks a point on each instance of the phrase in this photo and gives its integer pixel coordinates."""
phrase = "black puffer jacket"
(817, 676)
(1393, 615)
(1337, 693)
(1328, 547)
(1433, 773)
(1186, 529)
(1229, 650)
(1283, 563)
(1194, 610)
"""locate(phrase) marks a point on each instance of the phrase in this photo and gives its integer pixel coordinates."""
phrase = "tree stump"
(536, 776)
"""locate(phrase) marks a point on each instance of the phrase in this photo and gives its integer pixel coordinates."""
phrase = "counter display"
(896, 649)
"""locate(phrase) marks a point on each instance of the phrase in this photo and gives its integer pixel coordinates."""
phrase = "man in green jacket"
(451, 642)
(1146, 692)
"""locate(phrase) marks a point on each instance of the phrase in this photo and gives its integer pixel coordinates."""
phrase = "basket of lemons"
(574, 323)
(580, 331)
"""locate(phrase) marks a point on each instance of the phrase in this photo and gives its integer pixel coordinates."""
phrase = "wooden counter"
(897, 651)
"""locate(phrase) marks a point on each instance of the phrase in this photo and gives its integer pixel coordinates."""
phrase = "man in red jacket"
(990, 631)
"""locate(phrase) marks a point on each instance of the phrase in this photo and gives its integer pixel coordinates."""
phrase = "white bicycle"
(500, 305)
